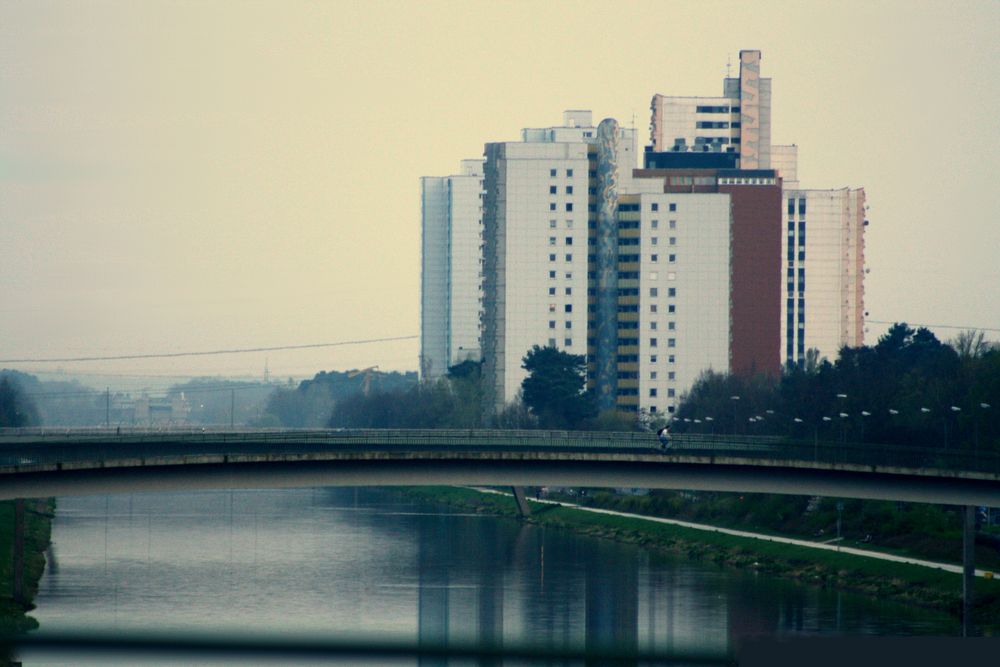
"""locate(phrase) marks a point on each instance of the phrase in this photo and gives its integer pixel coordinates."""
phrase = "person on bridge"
(664, 436)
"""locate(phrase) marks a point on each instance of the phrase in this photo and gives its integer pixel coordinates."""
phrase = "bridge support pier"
(522, 501)
(968, 566)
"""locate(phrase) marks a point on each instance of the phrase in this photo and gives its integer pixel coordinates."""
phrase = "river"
(360, 562)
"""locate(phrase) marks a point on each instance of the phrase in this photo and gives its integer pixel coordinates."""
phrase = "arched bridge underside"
(82, 463)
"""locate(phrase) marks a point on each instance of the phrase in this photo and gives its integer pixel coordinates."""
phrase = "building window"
(569, 189)
(552, 291)
(671, 375)
(673, 240)
(552, 324)
(672, 325)
(569, 275)
(791, 206)
(553, 189)
(569, 324)
(569, 173)
(653, 240)
(569, 342)
(569, 257)
(652, 307)
(552, 274)
(568, 308)
(552, 258)
(569, 240)
(672, 258)
(652, 325)
(569, 291)
(552, 224)
(569, 206)
(670, 359)
(652, 409)
(552, 342)
(652, 358)
(552, 206)
(552, 307)
(655, 224)
(671, 308)
(671, 392)
(569, 224)
(671, 342)
(654, 206)
(552, 240)
(654, 291)
(652, 375)
(654, 258)
(652, 342)
(652, 393)
(673, 224)
(673, 207)
(671, 291)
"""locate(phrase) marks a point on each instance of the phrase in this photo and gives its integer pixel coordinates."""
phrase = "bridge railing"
(21, 447)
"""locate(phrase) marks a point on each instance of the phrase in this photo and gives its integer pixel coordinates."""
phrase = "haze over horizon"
(188, 176)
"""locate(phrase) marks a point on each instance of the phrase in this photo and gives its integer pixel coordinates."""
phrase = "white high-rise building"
(667, 257)
(824, 252)
(451, 269)
(682, 321)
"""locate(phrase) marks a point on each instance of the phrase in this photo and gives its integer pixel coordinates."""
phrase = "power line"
(935, 326)
(204, 353)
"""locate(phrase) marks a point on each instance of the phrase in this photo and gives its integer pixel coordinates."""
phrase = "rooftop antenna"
(729, 65)
(267, 373)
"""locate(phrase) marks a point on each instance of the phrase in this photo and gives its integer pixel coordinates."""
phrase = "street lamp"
(893, 412)
(735, 400)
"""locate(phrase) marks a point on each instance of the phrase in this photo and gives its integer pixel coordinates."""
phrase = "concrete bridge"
(42, 463)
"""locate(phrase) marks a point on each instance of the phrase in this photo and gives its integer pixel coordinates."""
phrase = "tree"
(555, 389)
(16, 409)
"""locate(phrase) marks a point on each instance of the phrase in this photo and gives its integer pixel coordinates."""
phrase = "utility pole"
(968, 566)
(232, 409)
(107, 407)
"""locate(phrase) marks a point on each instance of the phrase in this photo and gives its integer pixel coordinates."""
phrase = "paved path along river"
(827, 546)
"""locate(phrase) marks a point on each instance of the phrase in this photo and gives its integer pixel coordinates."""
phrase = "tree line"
(907, 389)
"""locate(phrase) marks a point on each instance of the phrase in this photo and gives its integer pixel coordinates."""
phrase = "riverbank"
(38, 515)
(902, 582)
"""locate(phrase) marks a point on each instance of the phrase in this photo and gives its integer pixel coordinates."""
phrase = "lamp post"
(735, 400)
(975, 446)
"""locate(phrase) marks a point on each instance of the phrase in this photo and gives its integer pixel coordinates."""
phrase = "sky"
(179, 176)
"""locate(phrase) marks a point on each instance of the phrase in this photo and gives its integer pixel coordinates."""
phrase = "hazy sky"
(199, 175)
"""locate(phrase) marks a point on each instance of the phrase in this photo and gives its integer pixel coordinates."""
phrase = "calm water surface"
(366, 561)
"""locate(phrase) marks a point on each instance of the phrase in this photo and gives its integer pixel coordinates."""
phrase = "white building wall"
(678, 117)
(543, 255)
(823, 273)
(450, 290)
(785, 159)
(434, 267)
(692, 253)
(466, 210)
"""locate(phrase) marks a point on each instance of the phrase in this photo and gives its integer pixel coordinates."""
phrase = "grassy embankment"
(37, 532)
(910, 584)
